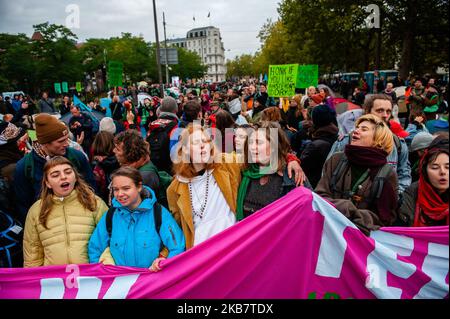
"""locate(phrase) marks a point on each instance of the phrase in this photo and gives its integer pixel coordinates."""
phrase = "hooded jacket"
(66, 240)
(134, 241)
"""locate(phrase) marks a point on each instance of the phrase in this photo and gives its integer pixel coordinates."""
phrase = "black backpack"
(159, 140)
(11, 236)
(7, 196)
(157, 215)
(376, 187)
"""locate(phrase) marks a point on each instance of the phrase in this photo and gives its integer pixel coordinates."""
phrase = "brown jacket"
(367, 216)
(228, 178)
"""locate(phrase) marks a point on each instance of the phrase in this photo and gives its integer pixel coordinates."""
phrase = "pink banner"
(297, 247)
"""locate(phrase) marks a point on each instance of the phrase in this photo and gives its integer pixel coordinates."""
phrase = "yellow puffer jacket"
(66, 240)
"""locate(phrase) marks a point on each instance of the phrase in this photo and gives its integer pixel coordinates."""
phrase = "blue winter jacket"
(134, 241)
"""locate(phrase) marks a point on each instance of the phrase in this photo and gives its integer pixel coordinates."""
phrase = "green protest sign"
(65, 87)
(78, 86)
(32, 135)
(57, 88)
(282, 80)
(115, 70)
(308, 75)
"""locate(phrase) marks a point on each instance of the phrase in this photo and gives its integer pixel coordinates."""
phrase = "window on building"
(215, 41)
(215, 49)
(209, 41)
(209, 49)
(204, 50)
(196, 34)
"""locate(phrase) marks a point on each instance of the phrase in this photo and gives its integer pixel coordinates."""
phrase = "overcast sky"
(239, 20)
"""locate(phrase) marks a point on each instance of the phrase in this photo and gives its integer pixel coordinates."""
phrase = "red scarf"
(428, 201)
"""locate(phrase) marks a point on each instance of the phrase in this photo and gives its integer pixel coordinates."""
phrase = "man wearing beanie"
(52, 140)
(381, 106)
(159, 134)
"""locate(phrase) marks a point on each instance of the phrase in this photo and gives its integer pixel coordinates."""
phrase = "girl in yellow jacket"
(60, 223)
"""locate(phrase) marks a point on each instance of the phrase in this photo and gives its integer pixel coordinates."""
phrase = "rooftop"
(177, 40)
(37, 36)
(202, 28)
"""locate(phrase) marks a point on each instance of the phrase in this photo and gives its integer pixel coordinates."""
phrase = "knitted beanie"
(49, 128)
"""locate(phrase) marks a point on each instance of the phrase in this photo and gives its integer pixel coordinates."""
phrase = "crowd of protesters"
(162, 175)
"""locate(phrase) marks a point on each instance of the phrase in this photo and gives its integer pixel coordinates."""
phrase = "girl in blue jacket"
(131, 232)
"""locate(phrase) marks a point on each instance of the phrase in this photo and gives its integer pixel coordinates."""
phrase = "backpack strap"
(157, 215)
(398, 145)
(73, 158)
(109, 217)
(338, 172)
(378, 183)
(29, 167)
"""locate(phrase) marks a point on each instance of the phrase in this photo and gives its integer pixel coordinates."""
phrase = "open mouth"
(65, 186)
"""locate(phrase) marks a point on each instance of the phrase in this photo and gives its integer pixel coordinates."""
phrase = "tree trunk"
(406, 58)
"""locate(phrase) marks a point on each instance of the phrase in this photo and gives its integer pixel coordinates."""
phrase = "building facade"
(179, 43)
(207, 43)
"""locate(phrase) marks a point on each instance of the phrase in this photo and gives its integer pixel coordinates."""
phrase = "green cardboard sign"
(32, 135)
(57, 88)
(65, 87)
(78, 86)
(115, 71)
(282, 80)
(308, 75)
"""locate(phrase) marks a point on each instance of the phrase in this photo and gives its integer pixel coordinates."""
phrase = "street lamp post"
(157, 49)
(165, 45)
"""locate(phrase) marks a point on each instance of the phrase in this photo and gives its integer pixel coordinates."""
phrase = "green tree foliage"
(241, 66)
(334, 35)
(34, 65)
(189, 65)
(16, 63)
(56, 56)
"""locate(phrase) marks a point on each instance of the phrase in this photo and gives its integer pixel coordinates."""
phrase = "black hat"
(323, 115)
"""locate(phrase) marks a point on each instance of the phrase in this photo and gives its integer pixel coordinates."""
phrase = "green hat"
(431, 109)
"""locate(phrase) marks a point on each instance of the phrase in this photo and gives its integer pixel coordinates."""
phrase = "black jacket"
(315, 154)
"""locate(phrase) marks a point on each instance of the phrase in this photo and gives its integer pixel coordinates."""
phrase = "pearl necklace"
(203, 207)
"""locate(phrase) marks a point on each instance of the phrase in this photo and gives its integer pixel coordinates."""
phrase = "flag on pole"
(193, 18)
(209, 14)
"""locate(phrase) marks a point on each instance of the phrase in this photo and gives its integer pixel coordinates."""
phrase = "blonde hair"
(383, 137)
(184, 166)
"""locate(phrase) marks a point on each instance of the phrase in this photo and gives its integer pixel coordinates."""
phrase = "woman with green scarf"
(203, 194)
(264, 176)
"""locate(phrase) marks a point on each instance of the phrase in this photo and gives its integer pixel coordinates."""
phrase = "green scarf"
(253, 172)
